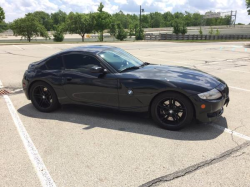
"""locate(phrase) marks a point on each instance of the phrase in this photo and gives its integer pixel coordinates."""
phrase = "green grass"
(7, 42)
(20, 42)
(203, 41)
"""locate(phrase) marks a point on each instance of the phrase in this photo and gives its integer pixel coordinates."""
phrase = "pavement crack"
(20, 55)
(232, 134)
(239, 155)
(196, 167)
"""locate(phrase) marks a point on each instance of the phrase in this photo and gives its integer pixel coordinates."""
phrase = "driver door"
(82, 85)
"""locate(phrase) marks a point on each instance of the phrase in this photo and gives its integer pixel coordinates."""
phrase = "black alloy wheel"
(172, 111)
(43, 97)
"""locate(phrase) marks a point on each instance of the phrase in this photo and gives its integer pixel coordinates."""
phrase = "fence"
(151, 36)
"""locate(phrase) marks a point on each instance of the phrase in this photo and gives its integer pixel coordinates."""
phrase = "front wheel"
(43, 97)
(172, 111)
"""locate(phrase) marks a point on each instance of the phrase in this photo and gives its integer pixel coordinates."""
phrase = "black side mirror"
(97, 69)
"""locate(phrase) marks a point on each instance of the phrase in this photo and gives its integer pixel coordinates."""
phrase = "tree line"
(39, 23)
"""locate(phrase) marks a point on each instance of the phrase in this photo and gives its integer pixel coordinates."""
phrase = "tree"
(248, 6)
(121, 18)
(103, 20)
(200, 31)
(139, 33)
(28, 27)
(217, 33)
(183, 29)
(168, 19)
(187, 18)
(196, 19)
(178, 15)
(136, 28)
(58, 18)
(4, 26)
(176, 27)
(131, 30)
(59, 33)
(44, 19)
(121, 33)
(80, 24)
(156, 20)
(211, 32)
(2, 14)
(112, 29)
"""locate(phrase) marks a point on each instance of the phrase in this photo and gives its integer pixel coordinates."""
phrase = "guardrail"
(151, 36)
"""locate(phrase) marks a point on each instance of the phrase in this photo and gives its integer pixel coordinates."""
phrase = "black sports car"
(106, 76)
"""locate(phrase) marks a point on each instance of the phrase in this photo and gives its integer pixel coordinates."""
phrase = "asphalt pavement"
(92, 147)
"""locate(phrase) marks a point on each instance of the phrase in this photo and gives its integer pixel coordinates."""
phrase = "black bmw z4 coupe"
(105, 76)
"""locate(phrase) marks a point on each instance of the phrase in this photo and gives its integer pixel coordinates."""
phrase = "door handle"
(69, 78)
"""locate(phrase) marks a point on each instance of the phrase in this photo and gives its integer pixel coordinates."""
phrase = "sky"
(18, 8)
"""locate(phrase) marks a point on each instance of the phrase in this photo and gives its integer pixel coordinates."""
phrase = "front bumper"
(214, 108)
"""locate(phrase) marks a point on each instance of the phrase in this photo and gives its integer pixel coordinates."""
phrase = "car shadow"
(138, 123)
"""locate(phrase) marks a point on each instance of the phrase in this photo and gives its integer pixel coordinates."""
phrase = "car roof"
(84, 48)
(89, 48)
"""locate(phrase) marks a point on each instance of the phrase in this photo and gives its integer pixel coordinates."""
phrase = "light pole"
(141, 10)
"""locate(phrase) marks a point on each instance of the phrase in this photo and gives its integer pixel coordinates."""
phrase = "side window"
(80, 62)
(55, 63)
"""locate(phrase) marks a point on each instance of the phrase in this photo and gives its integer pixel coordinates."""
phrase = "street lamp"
(141, 10)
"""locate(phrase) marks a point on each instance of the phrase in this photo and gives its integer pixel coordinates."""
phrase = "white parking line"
(47, 46)
(237, 70)
(242, 89)
(17, 90)
(17, 47)
(236, 46)
(1, 84)
(41, 170)
(234, 133)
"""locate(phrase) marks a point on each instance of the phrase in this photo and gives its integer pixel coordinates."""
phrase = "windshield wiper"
(145, 64)
(129, 68)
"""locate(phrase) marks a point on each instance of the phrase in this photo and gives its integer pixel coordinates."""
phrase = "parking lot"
(92, 147)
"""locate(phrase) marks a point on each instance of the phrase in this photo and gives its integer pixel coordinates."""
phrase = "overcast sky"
(18, 8)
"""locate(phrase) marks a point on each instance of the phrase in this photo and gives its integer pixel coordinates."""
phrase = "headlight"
(213, 94)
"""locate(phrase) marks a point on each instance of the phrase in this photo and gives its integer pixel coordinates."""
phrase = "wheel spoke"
(47, 101)
(179, 109)
(42, 97)
(171, 111)
(38, 96)
(177, 118)
(41, 91)
(173, 102)
(165, 117)
(41, 102)
(163, 107)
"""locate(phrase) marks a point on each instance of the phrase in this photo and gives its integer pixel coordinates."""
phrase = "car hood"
(178, 76)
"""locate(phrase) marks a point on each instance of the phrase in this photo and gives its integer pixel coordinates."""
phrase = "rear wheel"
(43, 97)
(172, 111)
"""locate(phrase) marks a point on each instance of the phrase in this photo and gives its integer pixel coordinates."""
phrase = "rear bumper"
(25, 88)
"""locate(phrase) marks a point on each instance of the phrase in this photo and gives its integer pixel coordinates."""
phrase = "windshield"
(120, 59)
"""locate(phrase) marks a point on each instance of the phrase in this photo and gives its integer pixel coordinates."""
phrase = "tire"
(172, 111)
(43, 97)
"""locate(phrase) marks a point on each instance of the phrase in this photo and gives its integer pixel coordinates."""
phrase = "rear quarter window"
(55, 63)
(43, 67)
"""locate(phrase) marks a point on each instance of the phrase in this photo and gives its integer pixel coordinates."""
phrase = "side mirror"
(97, 69)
